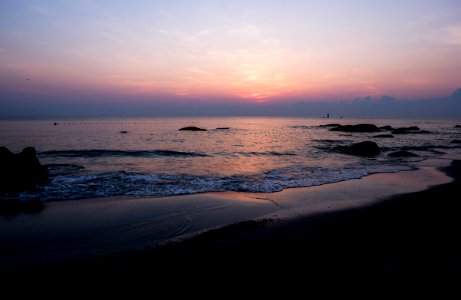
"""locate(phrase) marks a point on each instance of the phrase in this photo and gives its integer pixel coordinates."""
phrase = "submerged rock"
(366, 148)
(402, 153)
(22, 171)
(192, 128)
(356, 128)
(383, 136)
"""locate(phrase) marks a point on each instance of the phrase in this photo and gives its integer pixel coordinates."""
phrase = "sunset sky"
(98, 50)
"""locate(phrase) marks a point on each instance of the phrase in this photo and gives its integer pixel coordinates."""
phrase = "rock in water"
(22, 171)
(366, 148)
(356, 128)
(192, 128)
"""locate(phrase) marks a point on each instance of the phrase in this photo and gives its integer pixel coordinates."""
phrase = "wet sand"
(352, 227)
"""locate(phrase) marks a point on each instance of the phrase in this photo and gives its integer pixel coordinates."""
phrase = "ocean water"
(89, 158)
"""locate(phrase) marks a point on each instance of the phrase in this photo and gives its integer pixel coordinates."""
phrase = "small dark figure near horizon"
(328, 115)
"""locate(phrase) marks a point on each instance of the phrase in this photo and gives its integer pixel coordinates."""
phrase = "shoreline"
(411, 234)
(78, 240)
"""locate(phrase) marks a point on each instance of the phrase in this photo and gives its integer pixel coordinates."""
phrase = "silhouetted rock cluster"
(192, 128)
(374, 128)
(366, 148)
(371, 149)
(21, 171)
(356, 128)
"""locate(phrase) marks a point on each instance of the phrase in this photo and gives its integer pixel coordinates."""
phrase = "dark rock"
(22, 171)
(402, 153)
(366, 148)
(192, 128)
(456, 141)
(383, 136)
(123, 131)
(330, 125)
(387, 128)
(356, 128)
(457, 126)
(222, 128)
(55, 123)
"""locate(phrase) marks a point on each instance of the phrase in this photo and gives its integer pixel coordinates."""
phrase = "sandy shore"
(383, 223)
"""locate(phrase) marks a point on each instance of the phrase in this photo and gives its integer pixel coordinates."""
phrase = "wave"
(119, 153)
(75, 186)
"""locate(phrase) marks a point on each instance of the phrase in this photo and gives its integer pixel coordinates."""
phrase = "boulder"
(123, 131)
(356, 128)
(402, 153)
(383, 136)
(192, 128)
(22, 171)
(457, 126)
(456, 141)
(366, 148)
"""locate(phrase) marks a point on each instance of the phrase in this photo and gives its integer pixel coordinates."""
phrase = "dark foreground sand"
(415, 234)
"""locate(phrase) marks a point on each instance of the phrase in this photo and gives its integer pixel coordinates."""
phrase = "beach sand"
(375, 225)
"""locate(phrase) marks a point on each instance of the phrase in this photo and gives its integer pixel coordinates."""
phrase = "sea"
(105, 157)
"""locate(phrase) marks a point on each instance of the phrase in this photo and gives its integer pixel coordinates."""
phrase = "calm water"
(94, 157)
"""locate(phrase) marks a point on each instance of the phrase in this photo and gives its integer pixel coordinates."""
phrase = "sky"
(102, 54)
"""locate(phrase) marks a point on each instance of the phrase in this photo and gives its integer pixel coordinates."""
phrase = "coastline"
(410, 236)
(258, 225)
(404, 234)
